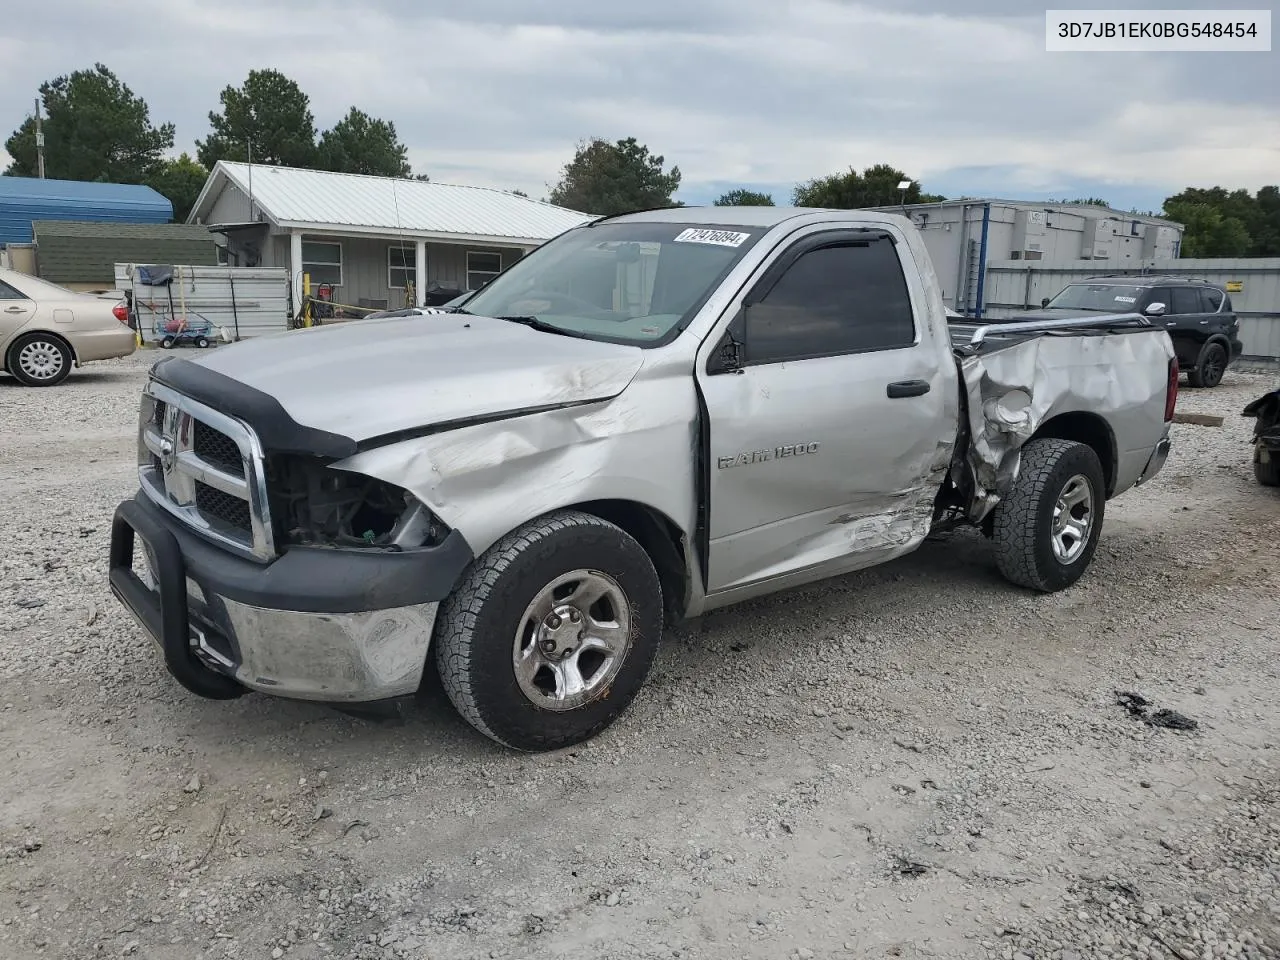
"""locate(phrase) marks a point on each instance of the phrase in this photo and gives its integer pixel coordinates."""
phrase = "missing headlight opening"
(321, 506)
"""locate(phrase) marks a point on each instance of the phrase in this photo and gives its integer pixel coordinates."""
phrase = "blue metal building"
(23, 199)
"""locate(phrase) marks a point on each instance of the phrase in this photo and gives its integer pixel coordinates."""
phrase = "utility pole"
(39, 141)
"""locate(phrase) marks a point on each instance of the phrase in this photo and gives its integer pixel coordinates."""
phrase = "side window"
(1163, 295)
(850, 297)
(1185, 300)
(9, 293)
(1212, 299)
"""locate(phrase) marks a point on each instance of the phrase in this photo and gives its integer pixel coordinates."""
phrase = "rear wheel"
(202, 342)
(1267, 471)
(1046, 530)
(167, 343)
(551, 633)
(1210, 367)
(39, 360)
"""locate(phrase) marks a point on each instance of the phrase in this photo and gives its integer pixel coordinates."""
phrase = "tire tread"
(1015, 529)
(456, 632)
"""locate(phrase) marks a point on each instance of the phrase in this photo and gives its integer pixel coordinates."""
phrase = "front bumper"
(338, 626)
(1157, 460)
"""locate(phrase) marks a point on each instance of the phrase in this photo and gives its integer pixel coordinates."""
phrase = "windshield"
(1103, 297)
(637, 283)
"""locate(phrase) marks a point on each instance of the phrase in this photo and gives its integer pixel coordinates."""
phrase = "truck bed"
(1016, 376)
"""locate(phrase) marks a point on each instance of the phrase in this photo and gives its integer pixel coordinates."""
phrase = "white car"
(45, 330)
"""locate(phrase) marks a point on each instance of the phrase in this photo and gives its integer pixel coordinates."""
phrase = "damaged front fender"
(487, 479)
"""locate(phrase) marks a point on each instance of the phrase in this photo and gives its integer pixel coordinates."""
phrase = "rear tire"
(510, 659)
(1047, 528)
(39, 360)
(1210, 366)
(167, 343)
(1268, 472)
(202, 342)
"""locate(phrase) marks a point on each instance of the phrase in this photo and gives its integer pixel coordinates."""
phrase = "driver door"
(825, 437)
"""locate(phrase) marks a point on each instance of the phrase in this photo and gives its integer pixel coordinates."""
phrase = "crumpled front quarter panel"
(487, 479)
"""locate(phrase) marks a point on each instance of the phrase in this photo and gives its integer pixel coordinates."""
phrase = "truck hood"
(369, 378)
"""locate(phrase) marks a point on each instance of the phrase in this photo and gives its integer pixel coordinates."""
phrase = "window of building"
(402, 267)
(481, 268)
(323, 260)
(850, 297)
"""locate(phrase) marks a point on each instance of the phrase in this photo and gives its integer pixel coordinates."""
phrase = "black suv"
(1198, 316)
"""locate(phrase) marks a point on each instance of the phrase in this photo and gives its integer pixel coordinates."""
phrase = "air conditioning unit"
(1030, 227)
(1098, 240)
(1160, 243)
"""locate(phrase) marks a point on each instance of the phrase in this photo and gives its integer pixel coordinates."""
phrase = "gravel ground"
(916, 761)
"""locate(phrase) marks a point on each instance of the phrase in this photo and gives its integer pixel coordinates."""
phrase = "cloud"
(736, 92)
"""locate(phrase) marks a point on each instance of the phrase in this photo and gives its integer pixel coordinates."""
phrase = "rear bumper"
(107, 344)
(1156, 461)
(328, 625)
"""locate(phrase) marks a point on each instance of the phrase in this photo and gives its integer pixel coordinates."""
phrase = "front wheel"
(167, 343)
(551, 633)
(1046, 530)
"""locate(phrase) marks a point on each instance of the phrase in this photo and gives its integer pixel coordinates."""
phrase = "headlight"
(320, 506)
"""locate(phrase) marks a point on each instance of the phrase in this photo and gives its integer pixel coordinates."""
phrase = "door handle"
(15, 309)
(907, 388)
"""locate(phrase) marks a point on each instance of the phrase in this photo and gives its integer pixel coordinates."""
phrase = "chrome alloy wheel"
(1072, 520)
(572, 640)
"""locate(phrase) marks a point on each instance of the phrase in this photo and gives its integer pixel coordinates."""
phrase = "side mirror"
(1044, 301)
(730, 353)
(1156, 309)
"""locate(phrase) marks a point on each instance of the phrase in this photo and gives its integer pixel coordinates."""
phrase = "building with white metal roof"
(370, 239)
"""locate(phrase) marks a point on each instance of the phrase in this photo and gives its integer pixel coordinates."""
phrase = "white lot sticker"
(1126, 299)
(721, 238)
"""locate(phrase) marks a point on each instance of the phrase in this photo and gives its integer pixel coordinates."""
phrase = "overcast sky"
(754, 93)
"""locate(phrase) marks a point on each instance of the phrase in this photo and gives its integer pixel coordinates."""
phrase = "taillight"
(1171, 392)
(121, 313)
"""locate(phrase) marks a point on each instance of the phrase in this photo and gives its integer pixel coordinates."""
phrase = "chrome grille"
(205, 468)
(215, 447)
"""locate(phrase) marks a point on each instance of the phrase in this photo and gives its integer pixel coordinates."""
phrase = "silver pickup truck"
(649, 417)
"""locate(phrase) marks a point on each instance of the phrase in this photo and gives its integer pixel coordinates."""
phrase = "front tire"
(550, 634)
(1047, 528)
(39, 360)
(1210, 367)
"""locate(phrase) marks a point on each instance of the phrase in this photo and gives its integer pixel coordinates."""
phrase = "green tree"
(359, 143)
(180, 181)
(1082, 202)
(876, 186)
(520, 193)
(610, 178)
(268, 118)
(1218, 215)
(95, 128)
(744, 198)
(1208, 233)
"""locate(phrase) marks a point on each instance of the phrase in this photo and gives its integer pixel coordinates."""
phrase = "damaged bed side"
(1090, 380)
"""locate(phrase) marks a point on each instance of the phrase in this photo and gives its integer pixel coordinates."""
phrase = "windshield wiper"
(542, 325)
